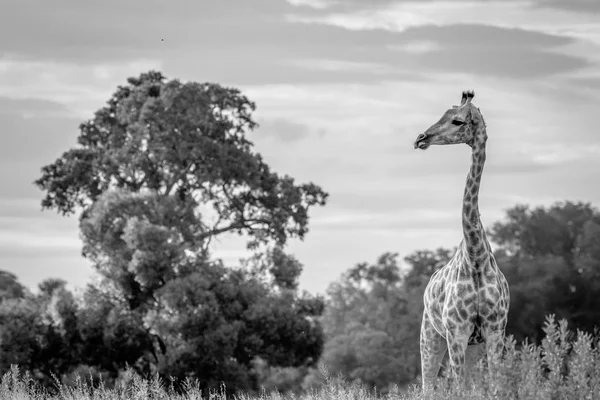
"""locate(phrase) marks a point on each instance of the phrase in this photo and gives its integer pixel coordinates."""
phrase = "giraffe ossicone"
(466, 301)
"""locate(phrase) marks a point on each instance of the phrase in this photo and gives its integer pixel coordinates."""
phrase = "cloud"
(36, 245)
(35, 133)
(399, 16)
(579, 6)
(372, 75)
(32, 108)
(318, 4)
(418, 46)
(511, 63)
(258, 45)
(407, 219)
(583, 6)
(80, 89)
(284, 130)
(590, 83)
(464, 47)
(25, 228)
(480, 36)
(296, 54)
(20, 241)
(208, 42)
(120, 30)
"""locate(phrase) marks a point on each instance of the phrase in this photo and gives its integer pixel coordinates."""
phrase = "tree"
(40, 332)
(10, 288)
(423, 263)
(158, 172)
(373, 316)
(550, 257)
(534, 283)
(588, 247)
(62, 342)
(112, 335)
(240, 319)
(30, 339)
(185, 140)
(21, 334)
(541, 231)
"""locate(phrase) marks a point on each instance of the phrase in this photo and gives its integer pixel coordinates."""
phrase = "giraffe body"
(466, 301)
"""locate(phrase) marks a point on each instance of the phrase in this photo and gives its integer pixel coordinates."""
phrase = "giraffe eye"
(457, 122)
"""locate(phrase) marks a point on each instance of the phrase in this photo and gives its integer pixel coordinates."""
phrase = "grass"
(565, 366)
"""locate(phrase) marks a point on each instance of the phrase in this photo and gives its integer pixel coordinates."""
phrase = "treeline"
(216, 324)
(549, 255)
(249, 327)
(163, 169)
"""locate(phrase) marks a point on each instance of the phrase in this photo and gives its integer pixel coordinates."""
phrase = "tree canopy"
(159, 171)
(551, 259)
(373, 317)
(10, 288)
(188, 141)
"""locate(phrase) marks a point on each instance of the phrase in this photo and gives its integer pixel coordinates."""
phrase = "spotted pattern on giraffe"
(466, 301)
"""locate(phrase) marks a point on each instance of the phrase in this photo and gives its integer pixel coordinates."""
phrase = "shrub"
(564, 366)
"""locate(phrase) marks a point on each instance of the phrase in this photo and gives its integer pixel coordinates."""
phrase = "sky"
(343, 87)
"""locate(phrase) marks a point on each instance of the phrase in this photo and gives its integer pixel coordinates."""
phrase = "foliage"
(21, 329)
(551, 259)
(37, 332)
(10, 288)
(158, 172)
(371, 319)
(185, 140)
(540, 232)
(240, 318)
(210, 323)
(564, 366)
(365, 329)
(373, 316)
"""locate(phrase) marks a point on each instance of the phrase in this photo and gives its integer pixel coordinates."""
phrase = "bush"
(564, 366)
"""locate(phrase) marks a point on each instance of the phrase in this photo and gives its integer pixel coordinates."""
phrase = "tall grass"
(565, 366)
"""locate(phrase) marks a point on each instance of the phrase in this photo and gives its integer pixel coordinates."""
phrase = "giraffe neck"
(474, 235)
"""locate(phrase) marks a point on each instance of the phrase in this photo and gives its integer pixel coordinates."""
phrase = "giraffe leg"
(457, 348)
(494, 340)
(473, 354)
(433, 348)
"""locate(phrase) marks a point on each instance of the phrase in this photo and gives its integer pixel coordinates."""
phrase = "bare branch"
(246, 223)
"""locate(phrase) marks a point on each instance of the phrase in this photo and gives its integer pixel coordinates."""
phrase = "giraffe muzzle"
(422, 141)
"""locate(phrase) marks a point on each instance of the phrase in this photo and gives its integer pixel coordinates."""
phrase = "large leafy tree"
(158, 172)
(187, 140)
(551, 258)
(241, 320)
(542, 231)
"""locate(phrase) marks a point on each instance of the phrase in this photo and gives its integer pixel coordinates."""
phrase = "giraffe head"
(455, 126)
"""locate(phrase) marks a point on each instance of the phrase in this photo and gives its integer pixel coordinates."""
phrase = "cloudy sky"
(342, 87)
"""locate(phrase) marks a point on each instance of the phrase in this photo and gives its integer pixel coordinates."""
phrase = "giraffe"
(466, 301)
